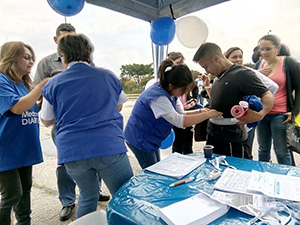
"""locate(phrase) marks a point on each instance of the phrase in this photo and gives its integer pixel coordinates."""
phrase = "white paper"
(269, 184)
(275, 185)
(176, 165)
(247, 203)
(233, 181)
(199, 209)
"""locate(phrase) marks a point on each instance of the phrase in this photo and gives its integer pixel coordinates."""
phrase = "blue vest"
(143, 131)
(84, 100)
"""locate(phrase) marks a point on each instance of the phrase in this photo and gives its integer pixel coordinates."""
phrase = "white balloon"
(191, 31)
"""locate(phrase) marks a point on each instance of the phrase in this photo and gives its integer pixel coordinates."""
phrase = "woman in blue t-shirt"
(158, 109)
(18, 116)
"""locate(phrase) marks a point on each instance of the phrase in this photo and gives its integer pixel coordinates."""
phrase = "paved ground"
(45, 203)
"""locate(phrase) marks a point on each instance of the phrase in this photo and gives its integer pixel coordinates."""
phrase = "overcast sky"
(121, 39)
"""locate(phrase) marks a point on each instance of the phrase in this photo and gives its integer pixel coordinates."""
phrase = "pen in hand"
(184, 181)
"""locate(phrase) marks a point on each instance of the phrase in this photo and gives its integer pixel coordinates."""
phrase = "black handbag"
(293, 137)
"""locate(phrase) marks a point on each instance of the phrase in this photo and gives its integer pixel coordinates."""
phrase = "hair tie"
(168, 68)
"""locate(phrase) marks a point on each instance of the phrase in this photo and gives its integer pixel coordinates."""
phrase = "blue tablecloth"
(138, 200)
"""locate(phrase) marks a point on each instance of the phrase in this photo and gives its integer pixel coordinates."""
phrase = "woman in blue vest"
(85, 103)
(158, 109)
(20, 146)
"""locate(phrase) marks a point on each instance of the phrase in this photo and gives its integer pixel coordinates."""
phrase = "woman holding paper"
(158, 109)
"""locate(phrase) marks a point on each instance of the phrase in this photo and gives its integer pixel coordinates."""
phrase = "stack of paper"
(269, 184)
(176, 165)
(233, 181)
(275, 185)
(199, 209)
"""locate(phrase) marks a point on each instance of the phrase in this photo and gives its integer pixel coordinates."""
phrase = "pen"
(184, 181)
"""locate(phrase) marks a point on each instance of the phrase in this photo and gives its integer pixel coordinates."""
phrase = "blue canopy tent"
(150, 10)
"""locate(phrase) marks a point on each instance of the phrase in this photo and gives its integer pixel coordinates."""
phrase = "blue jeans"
(65, 183)
(15, 188)
(271, 128)
(200, 99)
(145, 159)
(115, 170)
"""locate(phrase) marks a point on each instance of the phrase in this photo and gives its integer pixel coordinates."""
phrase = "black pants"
(240, 150)
(183, 143)
(15, 187)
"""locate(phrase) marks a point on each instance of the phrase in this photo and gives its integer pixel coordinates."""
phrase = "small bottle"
(214, 174)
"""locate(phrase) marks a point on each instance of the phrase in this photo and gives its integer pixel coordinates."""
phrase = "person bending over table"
(158, 109)
(90, 140)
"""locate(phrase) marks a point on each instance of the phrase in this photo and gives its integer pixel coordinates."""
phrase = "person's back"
(93, 105)
(49, 67)
(84, 101)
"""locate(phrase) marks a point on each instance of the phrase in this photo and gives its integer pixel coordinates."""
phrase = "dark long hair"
(179, 76)
(231, 50)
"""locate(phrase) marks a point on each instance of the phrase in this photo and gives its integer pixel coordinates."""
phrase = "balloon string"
(172, 13)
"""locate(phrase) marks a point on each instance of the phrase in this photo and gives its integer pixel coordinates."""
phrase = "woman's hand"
(214, 113)
(288, 117)
(265, 71)
(205, 79)
(190, 105)
(43, 82)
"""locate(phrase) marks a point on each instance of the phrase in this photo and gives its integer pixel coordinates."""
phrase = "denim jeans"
(66, 186)
(271, 128)
(200, 99)
(15, 187)
(115, 170)
(65, 183)
(145, 159)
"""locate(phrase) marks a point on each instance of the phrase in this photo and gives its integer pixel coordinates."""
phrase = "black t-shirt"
(227, 91)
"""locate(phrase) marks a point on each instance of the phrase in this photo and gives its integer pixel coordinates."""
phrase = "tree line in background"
(134, 77)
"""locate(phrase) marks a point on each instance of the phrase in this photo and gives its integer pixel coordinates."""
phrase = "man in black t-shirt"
(231, 84)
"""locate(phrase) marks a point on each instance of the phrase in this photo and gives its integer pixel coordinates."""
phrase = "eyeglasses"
(28, 57)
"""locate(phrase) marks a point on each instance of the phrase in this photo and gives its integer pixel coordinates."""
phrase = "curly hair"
(75, 47)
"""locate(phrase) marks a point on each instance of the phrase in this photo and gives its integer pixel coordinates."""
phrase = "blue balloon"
(168, 142)
(66, 7)
(162, 31)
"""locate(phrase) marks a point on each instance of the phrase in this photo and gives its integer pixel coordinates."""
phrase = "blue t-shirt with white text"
(19, 134)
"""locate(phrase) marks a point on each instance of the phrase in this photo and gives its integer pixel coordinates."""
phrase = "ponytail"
(179, 76)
